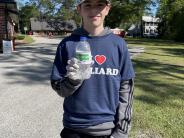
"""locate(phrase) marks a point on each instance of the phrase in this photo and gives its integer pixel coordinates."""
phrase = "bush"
(20, 37)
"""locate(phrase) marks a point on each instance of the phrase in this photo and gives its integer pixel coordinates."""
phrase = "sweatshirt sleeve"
(126, 67)
(61, 84)
(124, 111)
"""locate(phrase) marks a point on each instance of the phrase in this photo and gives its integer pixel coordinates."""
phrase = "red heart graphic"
(100, 59)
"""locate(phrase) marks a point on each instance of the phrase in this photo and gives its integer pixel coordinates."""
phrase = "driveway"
(29, 108)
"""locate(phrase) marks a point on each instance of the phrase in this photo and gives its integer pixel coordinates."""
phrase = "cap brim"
(85, 0)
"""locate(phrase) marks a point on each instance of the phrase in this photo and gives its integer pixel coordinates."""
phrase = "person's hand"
(73, 69)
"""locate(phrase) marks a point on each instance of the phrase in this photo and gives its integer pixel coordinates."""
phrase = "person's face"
(93, 12)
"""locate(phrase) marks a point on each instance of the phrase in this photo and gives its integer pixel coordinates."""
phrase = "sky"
(153, 11)
(24, 1)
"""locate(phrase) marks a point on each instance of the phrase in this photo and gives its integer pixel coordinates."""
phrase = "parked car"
(119, 32)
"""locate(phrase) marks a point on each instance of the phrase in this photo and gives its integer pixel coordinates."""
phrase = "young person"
(101, 106)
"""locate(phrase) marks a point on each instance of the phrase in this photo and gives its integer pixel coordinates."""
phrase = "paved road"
(29, 108)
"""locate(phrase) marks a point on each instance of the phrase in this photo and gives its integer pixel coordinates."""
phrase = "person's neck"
(94, 31)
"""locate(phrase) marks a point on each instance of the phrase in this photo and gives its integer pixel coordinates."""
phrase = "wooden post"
(6, 20)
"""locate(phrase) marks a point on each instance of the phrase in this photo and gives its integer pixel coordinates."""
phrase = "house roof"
(8, 1)
(11, 6)
(52, 25)
(150, 19)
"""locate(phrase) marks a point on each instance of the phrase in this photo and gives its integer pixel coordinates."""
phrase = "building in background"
(53, 25)
(8, 19)
(134, 30)
(150, 26)
(147, 27)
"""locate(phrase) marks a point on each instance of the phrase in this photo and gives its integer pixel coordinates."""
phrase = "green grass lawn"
(28, 39)
(159, 89)
(25, 38)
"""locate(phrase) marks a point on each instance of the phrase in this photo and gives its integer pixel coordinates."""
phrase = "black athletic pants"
(68, 133)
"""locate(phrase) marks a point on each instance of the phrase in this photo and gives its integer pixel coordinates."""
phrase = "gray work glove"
(78, 71)
(73, 69)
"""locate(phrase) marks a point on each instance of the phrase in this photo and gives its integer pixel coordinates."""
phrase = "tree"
(25, 13)
(123, 12)
(19, 4)
(60, 11)
(172, 17)
(126, 12)
(57, 9)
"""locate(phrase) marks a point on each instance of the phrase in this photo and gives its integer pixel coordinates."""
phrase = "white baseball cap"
(81, 1)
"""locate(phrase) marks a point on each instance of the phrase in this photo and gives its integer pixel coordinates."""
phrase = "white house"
(150, 25)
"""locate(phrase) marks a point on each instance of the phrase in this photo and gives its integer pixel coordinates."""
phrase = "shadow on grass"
(174, 51)
(31, 64)
(156, 91)
(153, 42)
(159, 54)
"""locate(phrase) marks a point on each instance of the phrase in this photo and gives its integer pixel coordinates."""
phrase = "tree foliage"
(125, 12)
(56, 9)
(25, 13)
(63, 9)
(171, 13)
(122, 14)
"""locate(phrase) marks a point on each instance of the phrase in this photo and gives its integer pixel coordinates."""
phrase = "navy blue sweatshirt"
(96, 100)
